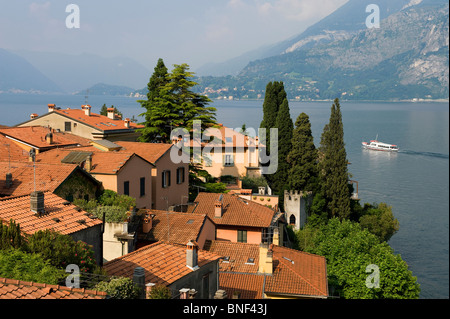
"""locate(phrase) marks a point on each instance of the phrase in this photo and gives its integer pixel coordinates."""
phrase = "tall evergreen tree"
(302, 158)
(285, 127)
(333, 166)
(157, 115)
(171, 103)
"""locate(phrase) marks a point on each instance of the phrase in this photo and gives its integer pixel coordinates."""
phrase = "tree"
(10, 236)
(172, 103)
(349, 250)
(302, 158)
(155, 117)
(379, 220)
(285, 126)
(333, 166)
(20, 265)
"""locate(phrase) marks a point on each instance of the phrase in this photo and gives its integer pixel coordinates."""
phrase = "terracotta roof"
(17, 289)
(227, 137)
(48, 177)
(163, 263)
(183, 227)
(102, 162)
(152, 152)
(11, 151)
(294, 273)
(36, 137)
(100, 122)
(236, 211)
(60, 215)
(249, 286)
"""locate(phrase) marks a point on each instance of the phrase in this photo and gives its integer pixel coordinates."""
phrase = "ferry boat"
(380, 146)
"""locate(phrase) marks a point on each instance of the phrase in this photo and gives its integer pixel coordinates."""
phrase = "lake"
(415, 181)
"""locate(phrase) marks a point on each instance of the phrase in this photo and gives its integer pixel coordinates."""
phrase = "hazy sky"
(180, 31)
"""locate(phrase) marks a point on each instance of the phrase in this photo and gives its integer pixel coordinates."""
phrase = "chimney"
(37, 202)
(265, 259)
(148, 289)
(111, 113)
(9, 180)
(192, 255)
(218, 207)
(87, 110)
(127, 122)
(262, 190)
(88, 164)
(33, 116)
(49, 138)
(51, 107)
(276, 237)
(148, 223)
(184, 293)
(139, 280)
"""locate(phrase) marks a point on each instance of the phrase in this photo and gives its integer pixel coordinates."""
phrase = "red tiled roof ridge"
(51, 287)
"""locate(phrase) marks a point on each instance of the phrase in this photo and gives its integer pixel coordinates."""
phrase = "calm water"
(415, 182)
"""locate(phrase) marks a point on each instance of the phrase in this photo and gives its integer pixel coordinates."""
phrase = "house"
(19, 289)
(237, 219)
(170, 180)
(47, 211)
(123, 172)
(11, 151)
(252, 271)
(83, 122)
(174, 266)
(176, 227)
(225, 151)
(68, 181)
(41, 138)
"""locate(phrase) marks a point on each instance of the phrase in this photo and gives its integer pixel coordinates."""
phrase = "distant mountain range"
(31, 71)
(17, 75)
(406, 58)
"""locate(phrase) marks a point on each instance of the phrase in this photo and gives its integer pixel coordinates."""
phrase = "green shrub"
(119, 288)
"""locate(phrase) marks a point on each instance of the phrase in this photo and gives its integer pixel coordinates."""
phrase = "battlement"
(295, 193)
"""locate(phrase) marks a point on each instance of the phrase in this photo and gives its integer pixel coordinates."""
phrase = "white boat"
(380, 146)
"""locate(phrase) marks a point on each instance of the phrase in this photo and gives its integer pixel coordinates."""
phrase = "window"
(205, 286)
(67, 126)
(228, 160)
(126, 188)
(180, 175)
(242, 236)
(142, 186)
(165, 179)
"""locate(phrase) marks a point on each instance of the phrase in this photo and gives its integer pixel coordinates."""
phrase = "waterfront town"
(173, 240)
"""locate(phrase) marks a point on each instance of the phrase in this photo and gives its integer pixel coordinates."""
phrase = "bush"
(113, 214)
(159, 292)
(119, 288)
(216, 188)
(61, 250)
(16, 264)
(111, 198)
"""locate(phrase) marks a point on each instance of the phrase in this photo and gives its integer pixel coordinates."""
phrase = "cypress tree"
(333, 166)
(285, 127)
(303, 172)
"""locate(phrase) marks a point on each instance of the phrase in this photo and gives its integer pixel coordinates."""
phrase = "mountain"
(341, 24)
(18, 75)
(407, 57)
(106, 89)
(78, 72)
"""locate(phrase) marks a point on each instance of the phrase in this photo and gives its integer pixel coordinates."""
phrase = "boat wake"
(429, 154)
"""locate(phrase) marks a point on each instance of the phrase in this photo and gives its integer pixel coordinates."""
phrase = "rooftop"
(60, 215)
(294, 272)
(152, 152)
(236, 211)
(35, 136)
(163, 263)
(175, 227)
(48, 177)
(18, 289)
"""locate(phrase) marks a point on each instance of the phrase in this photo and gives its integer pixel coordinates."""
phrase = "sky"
(179, 31)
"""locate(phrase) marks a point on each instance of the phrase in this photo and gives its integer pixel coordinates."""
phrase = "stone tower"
(295, 203)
